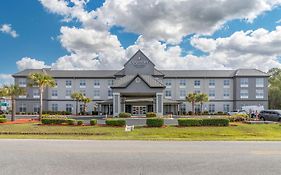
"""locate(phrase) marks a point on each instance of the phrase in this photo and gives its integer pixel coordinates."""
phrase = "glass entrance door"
(139, 110)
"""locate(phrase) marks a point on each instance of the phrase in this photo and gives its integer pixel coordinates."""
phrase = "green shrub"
(220, 113)
(80, 122)
(205, 112)
(150, 114)
(155, 122)
(115, 122)
(189, 122)
(190, 113)
(124, 115)
(93, 122)
(71, 121)
(238, 117)
(215, 122)
(3, 120)
(50, 121)
(2, 116)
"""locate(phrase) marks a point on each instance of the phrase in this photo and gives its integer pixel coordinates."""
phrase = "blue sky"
(38, 27)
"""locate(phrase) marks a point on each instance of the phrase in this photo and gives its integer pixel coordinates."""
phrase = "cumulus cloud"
(170, 21)
(6, 79)
(258, 49)
(7, 28)
(30, 63)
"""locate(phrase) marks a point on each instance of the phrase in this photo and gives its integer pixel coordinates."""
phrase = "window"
(36, 93)
(168, 93)
(212, 83)
(82, 83)
(97, 83)
(54, 93)
(197, 83)
(168, 83)
(96, 94)
(226, 93)
(68, 93)
(197, 108)
(259, 93)
(244, 82)
(68, 83)
(22, 108)
(110, 82)
(182, 83)
(212, 93)
(68, 108)
(22, 82)
(183, 108)
(226, 83)
(56, 84)
(244, 93)
(212, 108)
(109, 93)
(55, 107)
(83, 92)
(36, 108)
(226, 107)
(259, 82)
(182, 93)
(197, 91)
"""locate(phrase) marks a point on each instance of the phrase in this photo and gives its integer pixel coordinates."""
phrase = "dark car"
(270, 115)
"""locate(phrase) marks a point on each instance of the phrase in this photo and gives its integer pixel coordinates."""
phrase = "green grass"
(239, 132)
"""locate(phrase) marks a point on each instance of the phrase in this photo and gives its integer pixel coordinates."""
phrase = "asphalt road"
(68, 157)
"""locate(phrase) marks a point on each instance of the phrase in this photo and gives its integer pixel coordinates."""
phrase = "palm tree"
(85, 100)
(42, 80)
(202, 98)
(12, 91)
(191, 98)
(77, 96)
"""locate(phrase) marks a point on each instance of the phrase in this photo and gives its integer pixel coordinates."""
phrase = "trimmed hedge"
(51, 121)
(80, 122)
(3, 120)
(150, 114)
(2, 116)
(155, 122)
(115, 122)
(215, 122)
(238, 117)
(124, 115)
(71, 121)
(93, 122)
(56, 112)
(189, 122)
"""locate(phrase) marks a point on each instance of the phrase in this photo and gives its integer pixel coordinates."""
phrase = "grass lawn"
(239, 132)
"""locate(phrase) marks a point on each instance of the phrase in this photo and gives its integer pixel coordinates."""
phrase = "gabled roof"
(128, 79)
(139, 51)
(250, 73)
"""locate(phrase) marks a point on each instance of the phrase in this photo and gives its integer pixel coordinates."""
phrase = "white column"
(116, 104)
(159, 104)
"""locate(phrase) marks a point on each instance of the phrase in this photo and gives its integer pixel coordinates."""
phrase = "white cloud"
(30, 63)
(169, 20)
(7, 28)
(6, 79)
(256, 49)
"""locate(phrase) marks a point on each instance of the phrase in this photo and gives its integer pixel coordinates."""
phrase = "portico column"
(159, 104)
(116, 104)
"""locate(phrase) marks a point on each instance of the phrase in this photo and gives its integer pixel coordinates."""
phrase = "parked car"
(236, 112)
(270, 115)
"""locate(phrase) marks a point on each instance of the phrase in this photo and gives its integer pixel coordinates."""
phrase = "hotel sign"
(139, 62)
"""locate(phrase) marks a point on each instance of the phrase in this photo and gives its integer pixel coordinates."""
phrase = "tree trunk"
(41, 104)
(76, 107)
(201, 106)
(13, 109)
(84, 108)
(193, 111)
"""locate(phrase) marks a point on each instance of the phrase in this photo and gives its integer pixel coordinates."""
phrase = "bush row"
(3, 120)
(115, 122)
(150, 114)
(155, 122)
(124, 115)
(2, 116)
(203, 122)
(207, 113)
(238, 117)
(56, 112)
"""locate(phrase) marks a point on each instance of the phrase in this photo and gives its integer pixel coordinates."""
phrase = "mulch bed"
(20, 121)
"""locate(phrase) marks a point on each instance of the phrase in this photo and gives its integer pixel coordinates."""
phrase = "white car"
(236, 112)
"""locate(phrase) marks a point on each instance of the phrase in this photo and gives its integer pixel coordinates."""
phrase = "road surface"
(75, 157)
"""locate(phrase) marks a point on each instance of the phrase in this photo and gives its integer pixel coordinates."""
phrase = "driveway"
(47, 157)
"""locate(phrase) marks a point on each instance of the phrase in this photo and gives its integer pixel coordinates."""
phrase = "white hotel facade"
(139, 88)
